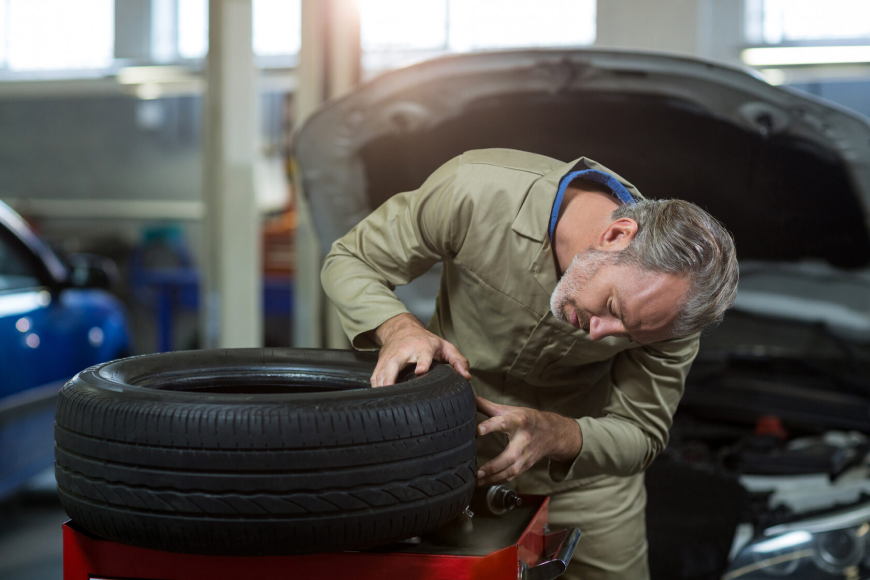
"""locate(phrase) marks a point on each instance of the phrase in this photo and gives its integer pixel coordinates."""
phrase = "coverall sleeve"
(646, 385)
(398, 242)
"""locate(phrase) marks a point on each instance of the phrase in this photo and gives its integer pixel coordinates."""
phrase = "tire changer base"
(515, 545)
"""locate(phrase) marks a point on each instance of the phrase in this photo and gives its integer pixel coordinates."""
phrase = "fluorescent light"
(795, 55)
(149, 91)
(134, 75)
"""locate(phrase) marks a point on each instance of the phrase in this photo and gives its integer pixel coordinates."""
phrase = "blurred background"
(145, 162)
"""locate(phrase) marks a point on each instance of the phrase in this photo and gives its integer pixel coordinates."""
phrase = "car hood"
(788, 174)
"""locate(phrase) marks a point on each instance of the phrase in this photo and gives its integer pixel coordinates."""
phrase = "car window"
(17, 269)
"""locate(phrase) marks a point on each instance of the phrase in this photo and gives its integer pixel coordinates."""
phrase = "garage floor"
(30, 534)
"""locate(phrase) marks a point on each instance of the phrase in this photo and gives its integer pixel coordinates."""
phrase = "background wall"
(96, 164)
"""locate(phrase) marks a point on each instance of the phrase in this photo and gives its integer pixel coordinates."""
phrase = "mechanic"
(574, 307)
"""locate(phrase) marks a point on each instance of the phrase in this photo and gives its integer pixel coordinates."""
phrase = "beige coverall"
(485, 215)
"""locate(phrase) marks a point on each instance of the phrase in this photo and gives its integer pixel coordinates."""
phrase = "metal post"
(311, 90)
(345, 62)
(329, 64)
(232, 283)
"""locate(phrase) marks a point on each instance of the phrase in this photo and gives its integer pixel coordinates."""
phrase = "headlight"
(835, 545)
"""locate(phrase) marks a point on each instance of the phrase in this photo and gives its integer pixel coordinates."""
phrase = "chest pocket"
(555, 355)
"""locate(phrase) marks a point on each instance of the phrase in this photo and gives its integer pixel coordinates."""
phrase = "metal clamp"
(558, 549)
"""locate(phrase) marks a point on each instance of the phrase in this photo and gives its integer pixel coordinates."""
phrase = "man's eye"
(610, 307)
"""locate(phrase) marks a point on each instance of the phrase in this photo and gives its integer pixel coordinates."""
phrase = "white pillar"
(345, 50)
(345, 61)
(311, 90)
(232, 283)
(329, 64)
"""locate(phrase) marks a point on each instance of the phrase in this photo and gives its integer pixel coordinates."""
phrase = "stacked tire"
(262, 451)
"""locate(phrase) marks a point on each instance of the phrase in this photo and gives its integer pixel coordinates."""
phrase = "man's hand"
(533, 435)
(404, 340)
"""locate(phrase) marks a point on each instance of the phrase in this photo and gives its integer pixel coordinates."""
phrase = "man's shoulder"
(510, 160)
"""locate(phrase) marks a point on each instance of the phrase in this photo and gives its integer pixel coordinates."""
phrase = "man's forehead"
(648, 302)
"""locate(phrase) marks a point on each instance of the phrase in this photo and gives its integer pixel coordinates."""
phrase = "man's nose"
(596, 328)
(599, 328)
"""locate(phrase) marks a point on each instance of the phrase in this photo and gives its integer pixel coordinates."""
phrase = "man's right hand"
(404, 340)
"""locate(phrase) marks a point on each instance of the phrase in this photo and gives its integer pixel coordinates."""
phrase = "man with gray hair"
(571, 303)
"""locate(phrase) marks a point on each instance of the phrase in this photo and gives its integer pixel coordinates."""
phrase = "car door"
(26, 410)
(25, 301)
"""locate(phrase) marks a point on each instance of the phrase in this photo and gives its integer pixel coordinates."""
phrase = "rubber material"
(262, 451)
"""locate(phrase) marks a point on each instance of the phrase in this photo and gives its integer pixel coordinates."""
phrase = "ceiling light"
(797, 55)
(134, 75)
(149, 91)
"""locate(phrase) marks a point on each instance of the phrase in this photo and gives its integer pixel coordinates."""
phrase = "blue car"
(56, 318)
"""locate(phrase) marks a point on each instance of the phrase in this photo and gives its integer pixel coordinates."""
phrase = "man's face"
(605, 298)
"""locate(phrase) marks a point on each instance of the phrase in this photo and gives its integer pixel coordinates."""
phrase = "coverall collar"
(534, 215)
(533, 219)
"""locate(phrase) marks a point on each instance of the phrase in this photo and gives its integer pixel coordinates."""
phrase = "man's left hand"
(533, 435)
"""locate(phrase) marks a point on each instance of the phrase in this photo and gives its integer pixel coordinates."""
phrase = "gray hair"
(678, 237)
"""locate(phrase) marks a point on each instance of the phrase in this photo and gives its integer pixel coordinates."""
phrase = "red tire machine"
(513, 544)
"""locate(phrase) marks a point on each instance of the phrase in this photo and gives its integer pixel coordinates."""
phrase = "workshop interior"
(180, 399)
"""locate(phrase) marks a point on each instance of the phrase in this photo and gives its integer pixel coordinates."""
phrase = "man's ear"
(617, 235)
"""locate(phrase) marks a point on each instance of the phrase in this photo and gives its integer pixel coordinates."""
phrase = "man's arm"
(647, 384)
(398, 242)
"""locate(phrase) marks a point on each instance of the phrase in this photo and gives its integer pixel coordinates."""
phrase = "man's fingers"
(503, 476)
(497, 465)
(424, 361)
(509, 464)
(489, 408)
(494, 425)
(462, 368)
(394, 358)
(391, 371)
(385, 374)
(454, 357)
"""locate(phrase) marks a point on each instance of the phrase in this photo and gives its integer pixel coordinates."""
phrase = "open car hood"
(788, 174)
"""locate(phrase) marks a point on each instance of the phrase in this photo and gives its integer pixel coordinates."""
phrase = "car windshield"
(14, 225)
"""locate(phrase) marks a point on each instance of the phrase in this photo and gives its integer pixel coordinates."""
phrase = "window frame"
(20, 249)
(50, 269)
(761, 43)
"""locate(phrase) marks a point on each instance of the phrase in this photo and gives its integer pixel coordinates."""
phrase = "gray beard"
(581, 270)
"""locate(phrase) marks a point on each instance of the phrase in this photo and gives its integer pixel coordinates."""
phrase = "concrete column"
(329, 64)
(232, 282)
(705, 28)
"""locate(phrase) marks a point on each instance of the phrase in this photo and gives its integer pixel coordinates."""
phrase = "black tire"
(262, 451)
